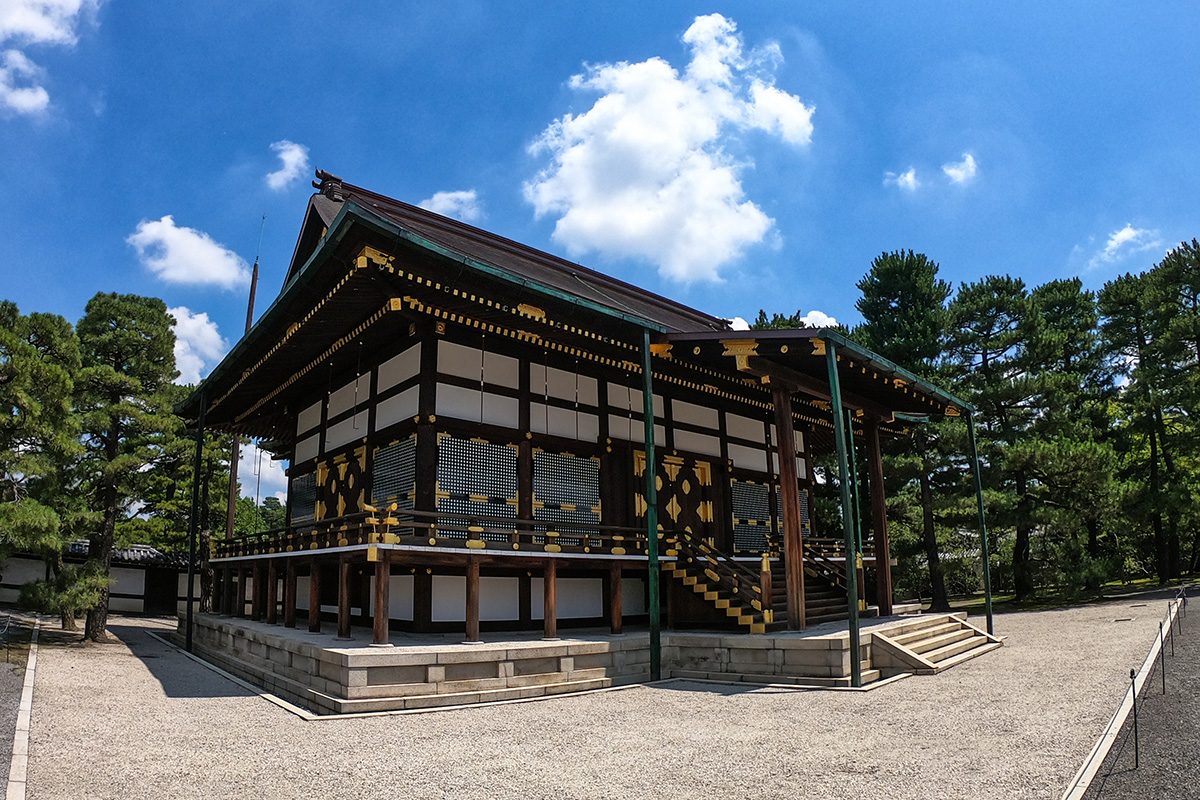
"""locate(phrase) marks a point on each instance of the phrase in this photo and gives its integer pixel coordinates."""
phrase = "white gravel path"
(137, 720)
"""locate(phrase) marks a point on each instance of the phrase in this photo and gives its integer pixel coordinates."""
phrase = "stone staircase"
(930, 644)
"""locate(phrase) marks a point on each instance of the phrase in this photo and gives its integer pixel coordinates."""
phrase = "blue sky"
(758, 159)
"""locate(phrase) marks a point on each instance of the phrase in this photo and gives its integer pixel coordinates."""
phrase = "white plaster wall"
(302, 592)
(696, 415)
(499, 598)
(123, 580)
(563, 422)
(460, 403)
(627, 397)
(747, 457)
(309, 418)
(697, 443)
(464, 362)
(399, 368)
(562, 384)
(19, 571)
(449, 598)
(308, 448)
(631, 430)
(633, 596)
(343, 399)
(345, 431)
(398, 408)
(131, 605)
(745, 428)
(578, 598)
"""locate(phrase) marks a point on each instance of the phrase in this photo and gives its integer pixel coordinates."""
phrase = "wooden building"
(465, 421)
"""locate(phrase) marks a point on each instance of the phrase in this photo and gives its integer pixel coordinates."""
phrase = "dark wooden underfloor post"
(383, 583)
(272, 592)
(243, 589)
(314, 596)
(550, 604)
(343, 613)
(883, 550)
(289, 594)
(789, 495)
(259, 582)
(472, 609)
(615, 604)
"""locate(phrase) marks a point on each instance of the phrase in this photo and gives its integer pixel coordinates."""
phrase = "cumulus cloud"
(185, 255)
(645, 172)
(198, 343)
(259, 476)
(463, 204)
(739, 324)
(1124, 242)
(34, 22)
(293, 164)
(961, 172)
(818, 319)
(906, 180)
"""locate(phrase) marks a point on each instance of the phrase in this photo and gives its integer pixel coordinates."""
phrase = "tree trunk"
(1093, 551)
(937, 580)
(204, 547)
(1160, 541)
(68, 621)
(1022, 568)
(100, 546)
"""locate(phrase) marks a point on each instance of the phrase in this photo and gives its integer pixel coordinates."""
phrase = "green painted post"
(983, 537)
(194, 518)
(651, 511)
(839, 434)
(855, 486)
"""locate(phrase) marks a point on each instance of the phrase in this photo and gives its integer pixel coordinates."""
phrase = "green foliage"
(71, 590)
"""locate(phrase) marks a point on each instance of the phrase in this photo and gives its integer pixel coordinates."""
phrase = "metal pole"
(855, 487)
(1133, 689)
(839, 432)
(651, 511)
(197, 465)
(235, 448)
(985, 551)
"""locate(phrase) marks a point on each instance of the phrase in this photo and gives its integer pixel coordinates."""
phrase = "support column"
(242, 592)
(651, 491)
(883, 550)
(343, 619)
(257, 594)
(272, 592)
(194, 519)
(383, 584)
(985, 552)
(289, 595)
(314, 596)
(230, 582)
(615, 600)
(839, 435)
(472, 610)
(789, 499)
(550, 599)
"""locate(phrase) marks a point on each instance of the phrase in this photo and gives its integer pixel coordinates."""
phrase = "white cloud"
(739, 324)
(259, 475)
(818, 319)
(198, 343)
(186, 255)
(1124, 242)
(645, 172)
(463, 204)
(20, 90)
(962, 172)
(906, 180)
(293, 164)
(34, 22)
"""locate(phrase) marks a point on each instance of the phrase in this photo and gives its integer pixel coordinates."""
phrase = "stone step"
(951, 650)
(986, 647)
(925, 633)
(868, 676)
(941, 640)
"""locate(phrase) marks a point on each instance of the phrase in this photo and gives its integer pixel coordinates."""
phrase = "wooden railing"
(440, 529)
(752, 587)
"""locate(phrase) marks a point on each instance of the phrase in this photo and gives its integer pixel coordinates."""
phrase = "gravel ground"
(1167, 731)
(1015, 723)
(14, 646)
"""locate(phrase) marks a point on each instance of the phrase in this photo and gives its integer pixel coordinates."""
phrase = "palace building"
(466, 423)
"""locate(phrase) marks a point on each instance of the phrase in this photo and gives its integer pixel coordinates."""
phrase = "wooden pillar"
(243, 586)
(343, 619)
(883, 554)
(227, 591)
(362, 576)
(289, 594)
(472, 599)
(615, 604)
(789, 496)
(383, 583)
(422, 600)
(314, 596)
(272, 592)
(525, 601)
(550, 604)
(256, 597)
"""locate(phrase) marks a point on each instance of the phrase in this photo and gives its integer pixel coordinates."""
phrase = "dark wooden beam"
(615, 604)
(472, 600)
(289, 594)
(343, 606)
(883, 553)
(789, 496)
(550, 603)
(314, 596)
(272, 592)
(383, 582)
(796, 381)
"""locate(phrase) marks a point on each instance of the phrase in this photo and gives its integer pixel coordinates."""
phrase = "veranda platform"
(417, 671)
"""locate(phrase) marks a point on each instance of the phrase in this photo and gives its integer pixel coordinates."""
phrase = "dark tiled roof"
(142, 555)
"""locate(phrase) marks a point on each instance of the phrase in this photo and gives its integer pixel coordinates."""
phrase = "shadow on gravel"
(177, 674)
(724, 689)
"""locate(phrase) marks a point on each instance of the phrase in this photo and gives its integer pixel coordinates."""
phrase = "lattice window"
(566, 495)
(303, 497)
(751, 515)
(475, 477)
(394, 477)
(805, 519)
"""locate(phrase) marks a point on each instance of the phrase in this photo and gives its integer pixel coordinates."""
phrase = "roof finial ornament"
(328, 184)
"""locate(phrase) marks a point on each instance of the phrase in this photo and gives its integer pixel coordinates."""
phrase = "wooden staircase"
(930, 644)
